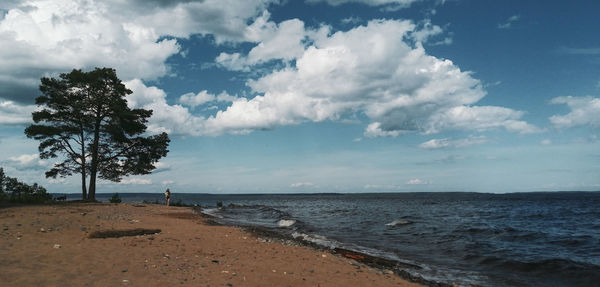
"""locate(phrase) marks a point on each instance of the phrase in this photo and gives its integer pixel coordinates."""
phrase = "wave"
(286, 222)
(211, 212)
(316, 239)
(399, 222)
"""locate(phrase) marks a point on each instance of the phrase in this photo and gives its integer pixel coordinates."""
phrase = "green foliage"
(115, 198)
(84, 119)
(14, 191)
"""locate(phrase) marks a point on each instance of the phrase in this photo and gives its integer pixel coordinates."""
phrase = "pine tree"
(86, 120)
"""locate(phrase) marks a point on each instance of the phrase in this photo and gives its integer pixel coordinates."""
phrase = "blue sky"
(266, 96)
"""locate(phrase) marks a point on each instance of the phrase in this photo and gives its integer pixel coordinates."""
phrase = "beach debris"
(323, 255)
(215, 261)
(124, 270)
(42, 230)
(57, 246)
(166, 256)
(355, 256)
(125, 281)
(122, 233)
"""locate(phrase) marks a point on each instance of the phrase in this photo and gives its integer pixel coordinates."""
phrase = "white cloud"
(374, 130)
(12, 113)
(479, 118)
(546, 142)
(193, 100)
(426, 31)
(44, 37)
(161, 166)
(27, 161)
(172, 119)
(370, 69)
(449, 143)
(585, 111)
(135, 181)
(509, 22)
(395, 3)
(302, 184)
(283, 41)
(351, 20)
(416, 181)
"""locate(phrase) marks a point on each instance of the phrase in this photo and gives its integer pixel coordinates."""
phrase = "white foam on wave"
(286, 222)
(398, 222)
(212, 212)
(317, 239)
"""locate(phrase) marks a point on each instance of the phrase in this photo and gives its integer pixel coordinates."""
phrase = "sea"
(456, 238)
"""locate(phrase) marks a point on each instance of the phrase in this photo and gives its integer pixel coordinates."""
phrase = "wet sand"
(50, 245)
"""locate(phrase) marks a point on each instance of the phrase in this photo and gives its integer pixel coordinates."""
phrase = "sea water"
(518, 239)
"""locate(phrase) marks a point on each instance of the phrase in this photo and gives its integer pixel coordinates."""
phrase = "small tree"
(86, 120)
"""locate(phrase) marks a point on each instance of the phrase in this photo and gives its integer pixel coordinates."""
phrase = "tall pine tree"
(85, 120)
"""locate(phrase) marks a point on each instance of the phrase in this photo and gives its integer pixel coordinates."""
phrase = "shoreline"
(382, 264)
(50, 245)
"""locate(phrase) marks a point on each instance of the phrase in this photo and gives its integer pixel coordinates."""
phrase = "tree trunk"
(94, 165)
(83, 167)
(83, 187)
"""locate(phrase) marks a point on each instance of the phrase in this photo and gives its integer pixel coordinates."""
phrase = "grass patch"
(122, 233)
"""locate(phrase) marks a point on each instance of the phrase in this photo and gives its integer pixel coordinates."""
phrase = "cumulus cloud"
(172, 119)
(450, 143)
(49, 36)
(283, 41)
(27, 161)
(374, 70)
(193, 100)
(585, 111)
(44, 37)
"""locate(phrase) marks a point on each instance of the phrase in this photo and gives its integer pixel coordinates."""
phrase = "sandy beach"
(51, 245)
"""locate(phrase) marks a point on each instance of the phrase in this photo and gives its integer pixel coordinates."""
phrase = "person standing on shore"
(167, 197)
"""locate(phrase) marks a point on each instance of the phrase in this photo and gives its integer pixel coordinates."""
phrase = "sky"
(270, 96)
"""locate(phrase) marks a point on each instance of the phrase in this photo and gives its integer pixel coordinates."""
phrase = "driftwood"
(122, 233)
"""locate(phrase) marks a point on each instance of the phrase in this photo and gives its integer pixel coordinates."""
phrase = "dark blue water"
(521, 239)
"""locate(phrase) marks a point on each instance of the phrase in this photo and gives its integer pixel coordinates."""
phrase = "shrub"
(14, 191)
(115, 198)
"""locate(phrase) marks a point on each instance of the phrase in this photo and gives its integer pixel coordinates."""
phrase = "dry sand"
(50, 246)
